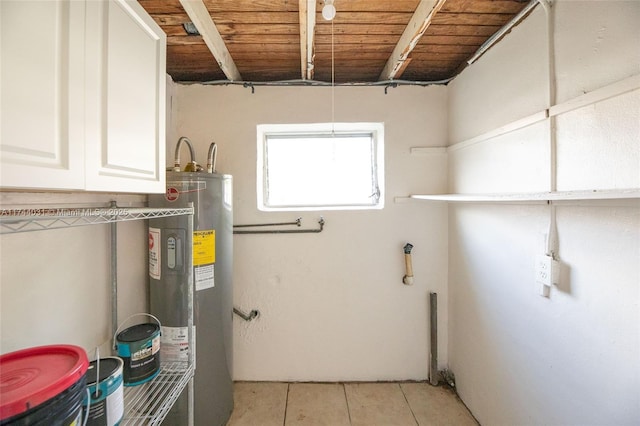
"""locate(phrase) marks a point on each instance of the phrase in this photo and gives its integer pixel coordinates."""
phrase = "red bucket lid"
(29, 377)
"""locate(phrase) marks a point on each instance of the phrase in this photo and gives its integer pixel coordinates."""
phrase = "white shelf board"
(532, 197)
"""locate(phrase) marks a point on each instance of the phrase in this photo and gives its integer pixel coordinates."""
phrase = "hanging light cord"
(333, 85)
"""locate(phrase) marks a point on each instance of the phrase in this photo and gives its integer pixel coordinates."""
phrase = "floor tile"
(259, 403)
(378, 404)
(436, 406)
(317, 404)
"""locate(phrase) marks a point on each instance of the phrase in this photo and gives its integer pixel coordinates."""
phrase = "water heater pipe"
(408, 278)
(176, 162)
(211, 158)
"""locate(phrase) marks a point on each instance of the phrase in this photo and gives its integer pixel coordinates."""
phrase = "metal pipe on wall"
(297, 222)
(247, 317)
(287, 231)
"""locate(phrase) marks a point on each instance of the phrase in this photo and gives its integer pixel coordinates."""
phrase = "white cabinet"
(83, 96)
(41, 91)
(125, 122)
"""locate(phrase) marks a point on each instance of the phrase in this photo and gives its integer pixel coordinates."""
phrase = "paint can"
(106, 394)
(43, 385)
(139, 348)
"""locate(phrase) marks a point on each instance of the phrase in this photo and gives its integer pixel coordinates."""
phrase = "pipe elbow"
(407, 280)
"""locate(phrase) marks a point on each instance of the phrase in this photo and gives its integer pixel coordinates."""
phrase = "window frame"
(375, 129)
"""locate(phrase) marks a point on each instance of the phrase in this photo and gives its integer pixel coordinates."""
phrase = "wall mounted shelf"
(528, 198)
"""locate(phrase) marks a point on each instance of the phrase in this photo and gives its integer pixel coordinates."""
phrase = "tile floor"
(338, 404)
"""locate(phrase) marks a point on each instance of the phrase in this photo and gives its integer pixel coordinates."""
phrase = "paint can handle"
(127, 319)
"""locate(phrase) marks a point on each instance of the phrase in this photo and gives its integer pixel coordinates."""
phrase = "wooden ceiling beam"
(307, 13)
(201, 18)
(418, 24)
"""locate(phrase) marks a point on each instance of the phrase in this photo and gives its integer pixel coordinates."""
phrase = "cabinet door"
(41, 92)
(126, 55)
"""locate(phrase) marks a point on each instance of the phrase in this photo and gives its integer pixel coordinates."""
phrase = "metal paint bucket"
(139, 348)
(44, 385)
(106, 394)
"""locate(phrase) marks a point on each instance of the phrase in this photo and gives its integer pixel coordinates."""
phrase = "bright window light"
(320, 166)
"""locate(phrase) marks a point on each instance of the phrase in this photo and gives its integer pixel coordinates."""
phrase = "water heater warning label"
(204, 277)
(204, 256)
(204, 247)
(174, 344)
(154, 253)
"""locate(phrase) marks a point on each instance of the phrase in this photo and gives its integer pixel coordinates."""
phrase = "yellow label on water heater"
(204, 247)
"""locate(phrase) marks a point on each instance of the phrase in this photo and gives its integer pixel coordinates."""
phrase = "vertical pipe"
(433, 315)
(552, 89)
(552, 237)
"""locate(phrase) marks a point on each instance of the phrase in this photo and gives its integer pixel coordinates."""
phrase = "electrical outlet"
(547, 273)
(544, 270)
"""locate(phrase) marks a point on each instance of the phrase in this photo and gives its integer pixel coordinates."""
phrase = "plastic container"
(44, 385)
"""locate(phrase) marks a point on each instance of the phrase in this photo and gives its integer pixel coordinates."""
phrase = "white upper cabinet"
(41, 91)
(126, 55)
(83, 96)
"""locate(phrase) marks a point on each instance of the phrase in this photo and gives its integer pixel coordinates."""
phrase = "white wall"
(332, 305)
(55, 285)
(572, 358)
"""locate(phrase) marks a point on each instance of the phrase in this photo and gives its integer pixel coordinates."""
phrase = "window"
(327, 166)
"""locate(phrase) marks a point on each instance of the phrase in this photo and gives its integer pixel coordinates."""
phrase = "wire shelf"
(38, 219)
(149, 403)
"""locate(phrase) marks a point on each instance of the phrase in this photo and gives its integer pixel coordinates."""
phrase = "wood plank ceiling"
(373, 40)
